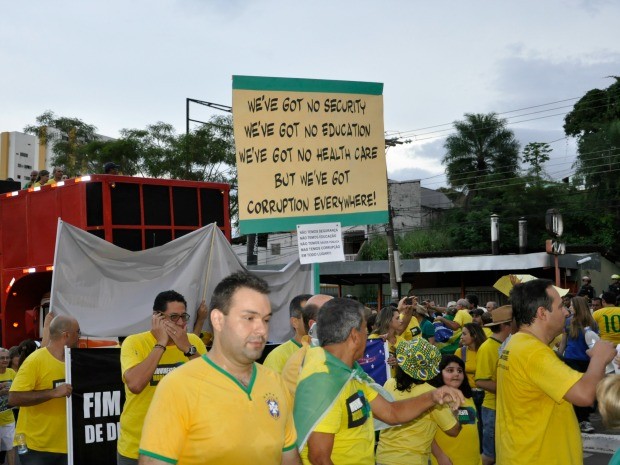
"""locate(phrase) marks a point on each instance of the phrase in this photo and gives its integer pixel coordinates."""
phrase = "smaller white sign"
(320, 243)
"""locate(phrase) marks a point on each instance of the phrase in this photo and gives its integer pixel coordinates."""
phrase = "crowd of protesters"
(464, 381)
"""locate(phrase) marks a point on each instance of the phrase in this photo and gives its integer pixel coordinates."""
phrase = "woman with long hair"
(388, 326)
(463, 449)
(410, 443)
(573, 348)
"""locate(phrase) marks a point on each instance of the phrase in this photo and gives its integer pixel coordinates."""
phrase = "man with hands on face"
(145, 359)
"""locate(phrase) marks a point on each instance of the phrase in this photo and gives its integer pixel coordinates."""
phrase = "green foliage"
(408, 244)
(481, 148)
(536, 154)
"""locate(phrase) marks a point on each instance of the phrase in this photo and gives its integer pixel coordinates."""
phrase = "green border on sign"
(290, 223)
(306, 85)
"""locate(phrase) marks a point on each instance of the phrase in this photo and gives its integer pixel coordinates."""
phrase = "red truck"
(131, 212)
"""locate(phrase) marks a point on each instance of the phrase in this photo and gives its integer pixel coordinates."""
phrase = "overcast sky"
(125, 64)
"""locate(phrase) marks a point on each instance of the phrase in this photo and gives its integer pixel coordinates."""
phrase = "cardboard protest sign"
(308, 151)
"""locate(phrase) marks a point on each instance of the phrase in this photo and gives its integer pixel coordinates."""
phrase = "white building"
(21, 153)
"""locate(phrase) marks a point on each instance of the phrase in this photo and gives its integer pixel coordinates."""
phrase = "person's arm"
(139, 375)
(30, 398)
(201, 317)
(320, 446)
(454, 431)
(583, 392)
(487, 384)
(45, 338)
(440, 455)
(453, 325)
(291, 457)
(402, 411)
(406, 312)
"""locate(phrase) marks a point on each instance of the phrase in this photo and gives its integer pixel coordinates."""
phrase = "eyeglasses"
(4, 358)
(174, 317)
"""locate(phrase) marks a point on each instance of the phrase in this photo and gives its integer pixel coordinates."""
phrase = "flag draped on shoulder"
(321, 381)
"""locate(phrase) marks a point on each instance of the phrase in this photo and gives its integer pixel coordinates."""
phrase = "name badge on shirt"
(467, 416)
(358, 409)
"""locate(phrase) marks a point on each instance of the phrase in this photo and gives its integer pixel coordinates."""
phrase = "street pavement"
(600, 446)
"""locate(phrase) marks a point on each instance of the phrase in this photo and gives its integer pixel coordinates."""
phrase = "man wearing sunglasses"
(145, 359)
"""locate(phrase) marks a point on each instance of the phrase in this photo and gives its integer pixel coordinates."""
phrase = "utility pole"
(391, 245)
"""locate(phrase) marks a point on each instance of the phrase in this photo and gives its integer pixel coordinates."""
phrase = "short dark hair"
(223, 292)
(295, 307)
(527, 297)
(472, 299)
(162, 299)
(309, 312)
(609, 297)
(337, 318)
(596, 298)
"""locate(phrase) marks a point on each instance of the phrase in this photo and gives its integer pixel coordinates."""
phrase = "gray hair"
(337, 318)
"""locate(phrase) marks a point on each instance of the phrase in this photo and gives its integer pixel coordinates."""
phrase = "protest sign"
(96, 402)
(308, 151)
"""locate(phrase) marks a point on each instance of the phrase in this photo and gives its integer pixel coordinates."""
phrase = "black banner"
(96, 402)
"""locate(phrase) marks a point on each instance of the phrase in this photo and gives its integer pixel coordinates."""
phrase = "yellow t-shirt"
(534, 423)
(410, 444)
(6, 417)
(350, 421)
(292, 368)
(465, 448)
(486, 367)
(414, 325)
(470, 364)
(201, 414)
(45, 424)
(487, 331)
(277, 357)
(608, 320)
(462, 317)
(133, 351)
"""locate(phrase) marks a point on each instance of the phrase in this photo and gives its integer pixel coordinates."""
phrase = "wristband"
(159, 346)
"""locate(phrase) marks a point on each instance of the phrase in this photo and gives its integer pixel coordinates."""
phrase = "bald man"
(39, 389)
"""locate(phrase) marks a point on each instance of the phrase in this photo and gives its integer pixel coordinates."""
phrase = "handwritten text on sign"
(309, 153)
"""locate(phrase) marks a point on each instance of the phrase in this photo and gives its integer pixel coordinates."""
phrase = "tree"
(71, 135)
(536, 154)
(482, 152)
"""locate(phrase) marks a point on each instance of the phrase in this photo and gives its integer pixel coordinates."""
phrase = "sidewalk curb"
(600, 443)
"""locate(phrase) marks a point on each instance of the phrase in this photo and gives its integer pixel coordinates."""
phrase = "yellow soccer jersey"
(413, 329)
(608, 320)
(133, 351)
(470, 364)
(201, 414)
(462, 317)
(278, 357)
(6, 417)
(465, 448)
(45, 424)
(534, 423)
(487, 332)
(352, 426)
(486, 367)
(410, 444)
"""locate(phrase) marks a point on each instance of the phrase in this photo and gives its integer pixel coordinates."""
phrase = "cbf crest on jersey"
(272, 405)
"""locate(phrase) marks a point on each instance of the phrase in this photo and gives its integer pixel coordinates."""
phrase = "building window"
(275, 249)
(353, 241)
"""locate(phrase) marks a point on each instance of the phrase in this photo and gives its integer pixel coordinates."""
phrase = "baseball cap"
(501, 315)
(418, 358)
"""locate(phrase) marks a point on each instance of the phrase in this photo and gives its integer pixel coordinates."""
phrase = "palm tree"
(481, 153)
